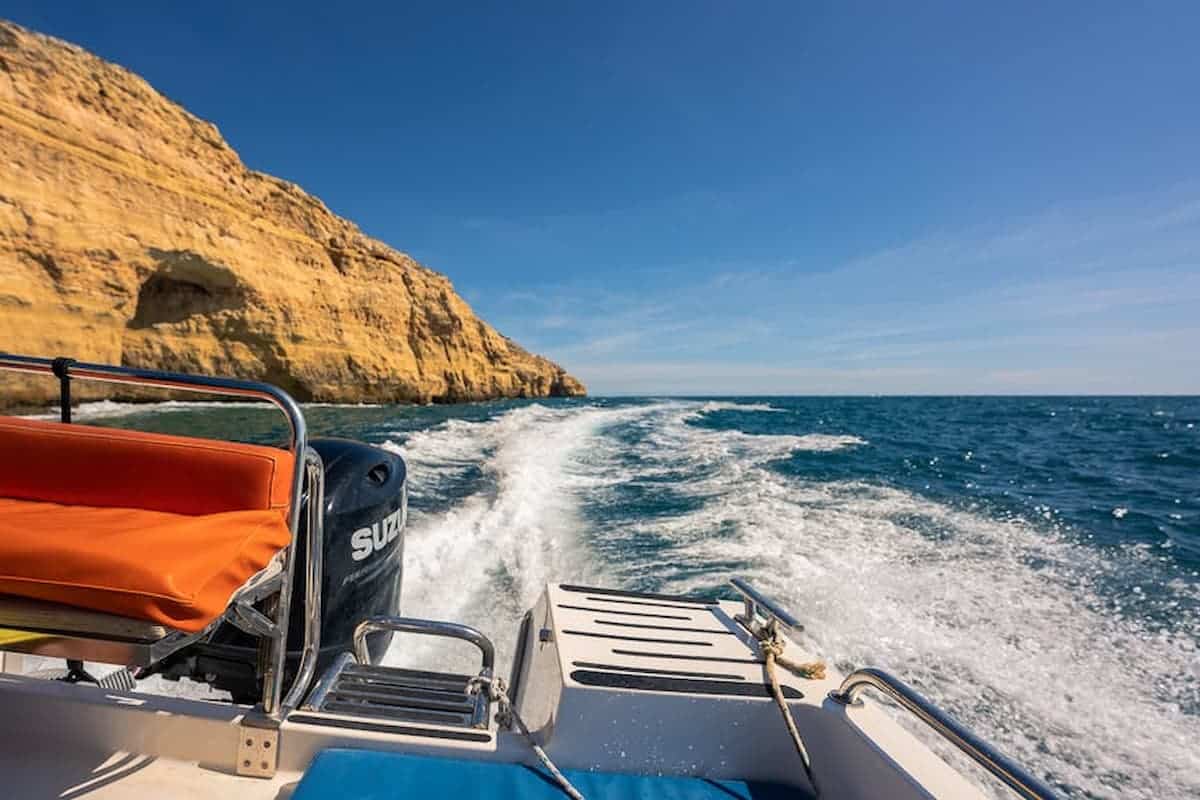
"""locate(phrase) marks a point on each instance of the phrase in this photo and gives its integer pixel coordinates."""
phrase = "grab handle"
(425, 627)
(995, 762)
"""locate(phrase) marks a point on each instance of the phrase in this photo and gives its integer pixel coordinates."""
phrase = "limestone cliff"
(131, 233)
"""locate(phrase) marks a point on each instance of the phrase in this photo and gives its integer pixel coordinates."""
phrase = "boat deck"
(612, 683)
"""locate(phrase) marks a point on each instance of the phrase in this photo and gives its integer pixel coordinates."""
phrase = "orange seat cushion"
(144, 525)
(175, 569)
(85, 465)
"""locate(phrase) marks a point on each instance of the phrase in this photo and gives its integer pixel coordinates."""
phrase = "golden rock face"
(131, 233)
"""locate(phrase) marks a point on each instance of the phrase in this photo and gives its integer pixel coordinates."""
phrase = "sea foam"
(1008, 625)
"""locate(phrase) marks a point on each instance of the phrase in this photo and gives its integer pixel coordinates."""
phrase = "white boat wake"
(1006, 624)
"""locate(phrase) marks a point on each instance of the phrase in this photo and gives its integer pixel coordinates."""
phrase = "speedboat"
(272, 575)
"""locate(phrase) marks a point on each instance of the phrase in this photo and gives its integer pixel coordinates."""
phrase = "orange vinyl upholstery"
(155, 527)
(89, 466)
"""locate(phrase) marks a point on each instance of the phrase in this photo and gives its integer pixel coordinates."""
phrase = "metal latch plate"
(257, 752)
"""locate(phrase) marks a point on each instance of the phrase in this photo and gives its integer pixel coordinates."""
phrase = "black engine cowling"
(366, 506)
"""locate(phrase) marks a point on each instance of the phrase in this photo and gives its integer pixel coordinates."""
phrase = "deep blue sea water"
(1033, 564)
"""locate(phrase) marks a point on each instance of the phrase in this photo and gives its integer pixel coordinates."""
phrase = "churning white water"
(1003, 623)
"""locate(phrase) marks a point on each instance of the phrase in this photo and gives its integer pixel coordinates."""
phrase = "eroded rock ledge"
(131, 233)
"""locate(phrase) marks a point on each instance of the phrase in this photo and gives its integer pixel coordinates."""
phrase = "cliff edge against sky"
(131, 233)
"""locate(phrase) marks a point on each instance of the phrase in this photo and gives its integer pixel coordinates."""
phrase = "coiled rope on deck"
(772, 644)
(507, 716)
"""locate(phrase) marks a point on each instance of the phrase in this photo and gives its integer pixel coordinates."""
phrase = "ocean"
(1031, 564)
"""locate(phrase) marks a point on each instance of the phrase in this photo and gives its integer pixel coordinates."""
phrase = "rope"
(507, 716)
(769, 641)
(772, 644)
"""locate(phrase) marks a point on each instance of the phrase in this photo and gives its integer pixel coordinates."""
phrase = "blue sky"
(740, 198)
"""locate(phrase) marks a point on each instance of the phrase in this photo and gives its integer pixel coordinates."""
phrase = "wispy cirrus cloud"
(1101, 299)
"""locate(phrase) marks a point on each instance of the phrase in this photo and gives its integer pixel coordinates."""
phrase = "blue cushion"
(340, 774)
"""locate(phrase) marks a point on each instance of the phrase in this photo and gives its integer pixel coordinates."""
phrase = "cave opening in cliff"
(184, 286)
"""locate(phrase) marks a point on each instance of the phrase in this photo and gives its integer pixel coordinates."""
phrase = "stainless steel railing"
(760, 607)
(425, 627)
(305, 462)
(192, 383)
(315, 563)
(995, 762)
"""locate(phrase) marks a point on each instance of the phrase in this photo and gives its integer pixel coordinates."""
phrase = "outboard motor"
(366, 508)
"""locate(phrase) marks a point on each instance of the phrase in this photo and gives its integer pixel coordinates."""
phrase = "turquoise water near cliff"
(1033, 564)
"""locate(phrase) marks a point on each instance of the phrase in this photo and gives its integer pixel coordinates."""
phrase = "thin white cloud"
(1096, 299)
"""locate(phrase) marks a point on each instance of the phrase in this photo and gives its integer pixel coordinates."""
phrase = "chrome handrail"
(192, 383)
(427, 627)
(995, 762)
(231, 387)
(315, 562)
(759, 605)
(328, 679)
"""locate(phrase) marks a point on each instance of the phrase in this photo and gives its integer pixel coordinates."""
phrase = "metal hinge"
(247, 618)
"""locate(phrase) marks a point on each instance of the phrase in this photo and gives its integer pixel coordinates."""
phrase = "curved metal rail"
(191, 383)
(315, 561)
(426, 627)
(273, 680)
(950, 729)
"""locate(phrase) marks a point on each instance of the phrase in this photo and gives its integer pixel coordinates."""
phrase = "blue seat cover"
(370, 775)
